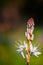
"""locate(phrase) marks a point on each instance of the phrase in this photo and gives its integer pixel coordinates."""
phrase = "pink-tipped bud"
(30, 22)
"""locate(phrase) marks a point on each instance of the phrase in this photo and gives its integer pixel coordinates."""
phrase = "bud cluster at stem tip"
(30, 28)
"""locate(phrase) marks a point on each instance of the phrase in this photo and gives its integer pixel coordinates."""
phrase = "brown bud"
(30, 22)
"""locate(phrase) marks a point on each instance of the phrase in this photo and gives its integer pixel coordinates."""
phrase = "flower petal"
(25, 45)
(19, 50)
(37, 53)
(22, 54)
(35, 48)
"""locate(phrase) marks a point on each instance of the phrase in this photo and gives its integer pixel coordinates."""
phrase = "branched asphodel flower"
(27, 49)
(29, 35)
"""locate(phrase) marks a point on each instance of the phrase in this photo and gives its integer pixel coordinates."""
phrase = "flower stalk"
(28, 47)
(29, 36)
(28, 54)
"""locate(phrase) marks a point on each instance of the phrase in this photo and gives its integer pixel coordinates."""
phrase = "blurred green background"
(13, 17)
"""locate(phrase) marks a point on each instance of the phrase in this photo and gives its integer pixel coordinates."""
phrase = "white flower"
(34, 50)
(24, 47)
(21, 48)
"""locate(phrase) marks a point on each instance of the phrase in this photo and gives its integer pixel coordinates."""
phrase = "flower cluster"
(24, 47)
(34, 50)
(30, 28)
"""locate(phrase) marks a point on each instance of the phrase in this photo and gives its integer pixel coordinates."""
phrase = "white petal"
(37, 53)
(19, 50)
(21, 46)
(22, 54)
(35, 49)
(25, 44)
